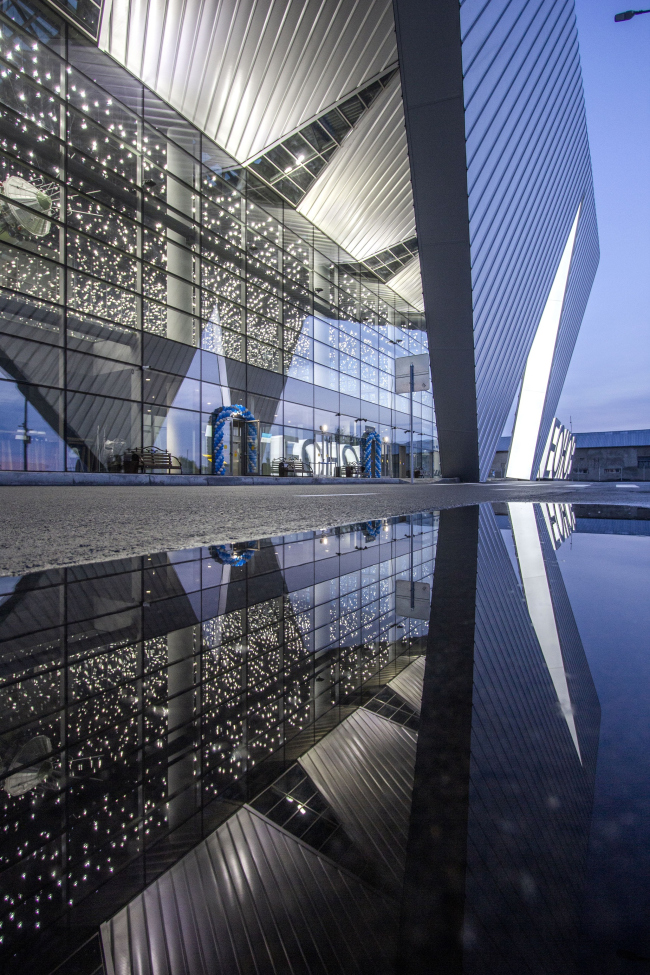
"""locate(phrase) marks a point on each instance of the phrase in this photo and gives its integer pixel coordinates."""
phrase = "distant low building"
(614, 455)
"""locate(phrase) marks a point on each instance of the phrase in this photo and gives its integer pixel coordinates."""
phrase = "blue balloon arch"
(370, 469)
(240, 553)
(371, 529)
(219, 419)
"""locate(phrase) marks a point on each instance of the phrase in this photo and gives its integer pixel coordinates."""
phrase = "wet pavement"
(414, 743)
(46, 527)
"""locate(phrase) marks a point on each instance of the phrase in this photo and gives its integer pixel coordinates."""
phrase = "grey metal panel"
(247, 72)
(408, 284)
(364, 769)
(524, 167)
(528, 169)
(363, 199)
(408, 684)
(251, 898)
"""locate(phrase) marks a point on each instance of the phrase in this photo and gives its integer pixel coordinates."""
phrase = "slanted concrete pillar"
(433, 904)
(429, 50)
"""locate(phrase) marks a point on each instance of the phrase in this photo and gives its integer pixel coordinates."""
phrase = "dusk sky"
(608, 384)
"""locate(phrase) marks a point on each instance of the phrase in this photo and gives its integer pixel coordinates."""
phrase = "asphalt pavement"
(47, 527)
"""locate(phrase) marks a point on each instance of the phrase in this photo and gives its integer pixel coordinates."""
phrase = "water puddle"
(357, 749)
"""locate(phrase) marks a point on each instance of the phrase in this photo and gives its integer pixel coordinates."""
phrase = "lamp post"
(412, 384)
(22, 433)
(323, 430)
(628, 15)
(360, 419)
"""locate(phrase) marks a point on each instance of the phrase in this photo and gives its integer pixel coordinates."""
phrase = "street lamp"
(629, 14)
(323, 430)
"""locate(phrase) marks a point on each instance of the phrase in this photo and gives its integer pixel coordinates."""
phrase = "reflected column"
(434, 884)
(181, 756)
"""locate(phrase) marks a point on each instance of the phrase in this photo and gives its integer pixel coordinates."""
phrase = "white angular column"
(538, 371)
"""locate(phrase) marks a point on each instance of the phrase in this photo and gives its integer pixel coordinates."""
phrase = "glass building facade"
(147, 281)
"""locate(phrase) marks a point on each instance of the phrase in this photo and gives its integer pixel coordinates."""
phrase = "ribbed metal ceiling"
(364, 769)
(409, 683)
(364, 198)
(249, 72)
(251, 898)
(408, 284)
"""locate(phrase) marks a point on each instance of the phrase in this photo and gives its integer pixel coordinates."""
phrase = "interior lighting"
(538, 370)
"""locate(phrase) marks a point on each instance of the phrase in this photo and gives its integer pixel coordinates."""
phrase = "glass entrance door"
(386, 459)
(242, 434)
(250, 437)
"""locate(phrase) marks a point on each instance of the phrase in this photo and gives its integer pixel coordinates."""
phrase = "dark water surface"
(412, 745)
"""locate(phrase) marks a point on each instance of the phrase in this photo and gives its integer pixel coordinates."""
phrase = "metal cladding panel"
(408, 684)
(528, 169)
(408, 284)
(363, 199)
(249, 73)
(251, 898)
(364, 770)
(581, 276)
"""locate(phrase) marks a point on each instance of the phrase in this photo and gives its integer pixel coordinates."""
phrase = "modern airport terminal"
(285, 685)
(220, 225)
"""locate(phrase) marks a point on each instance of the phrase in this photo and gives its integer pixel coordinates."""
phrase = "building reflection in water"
(253, 758)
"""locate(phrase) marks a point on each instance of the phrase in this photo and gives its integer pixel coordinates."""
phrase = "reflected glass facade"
(147, 281)
(141, 698)
(167, 721)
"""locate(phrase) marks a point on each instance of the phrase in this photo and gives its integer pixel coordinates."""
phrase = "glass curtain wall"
(147, 281)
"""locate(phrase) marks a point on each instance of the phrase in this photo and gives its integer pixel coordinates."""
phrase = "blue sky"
(608, 383)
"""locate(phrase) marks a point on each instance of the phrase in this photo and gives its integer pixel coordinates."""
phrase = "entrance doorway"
(402, 468)
(237, 447)
(387, 460)
(244, 446)
(235, 441)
